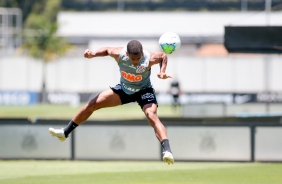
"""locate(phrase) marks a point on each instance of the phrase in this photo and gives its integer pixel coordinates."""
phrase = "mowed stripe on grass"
(141, 172)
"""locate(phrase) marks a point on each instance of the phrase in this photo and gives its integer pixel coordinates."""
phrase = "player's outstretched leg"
(59, 133)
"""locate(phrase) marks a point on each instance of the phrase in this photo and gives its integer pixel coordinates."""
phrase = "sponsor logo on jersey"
(130, 88)
(140, 69)
(131, 77)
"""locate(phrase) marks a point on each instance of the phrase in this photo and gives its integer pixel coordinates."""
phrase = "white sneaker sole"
(168, 158)
(61, 137)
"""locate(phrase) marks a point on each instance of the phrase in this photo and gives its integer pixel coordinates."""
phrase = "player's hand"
(163, 76)
(88, 54)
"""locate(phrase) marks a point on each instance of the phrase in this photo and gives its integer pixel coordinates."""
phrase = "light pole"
(267, 11)
(244, 5)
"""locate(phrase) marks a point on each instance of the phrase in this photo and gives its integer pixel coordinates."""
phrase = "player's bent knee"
(92, 106)
(151, 116)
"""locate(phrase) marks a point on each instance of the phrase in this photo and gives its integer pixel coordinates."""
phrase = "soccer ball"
(169, 42)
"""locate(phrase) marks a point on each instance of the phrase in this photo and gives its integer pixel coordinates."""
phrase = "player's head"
(134, 47)
(134, 51)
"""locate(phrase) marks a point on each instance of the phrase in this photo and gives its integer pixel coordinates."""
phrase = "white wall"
(211, 143)
(119, 142)
(207, 74)
(268, 144)
(20, 73)
(31, 141)
(116, 142)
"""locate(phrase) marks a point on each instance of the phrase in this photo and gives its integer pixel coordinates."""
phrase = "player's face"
(135, 58)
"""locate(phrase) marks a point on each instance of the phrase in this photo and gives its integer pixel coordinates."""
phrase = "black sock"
(69, 128)
(165, 145)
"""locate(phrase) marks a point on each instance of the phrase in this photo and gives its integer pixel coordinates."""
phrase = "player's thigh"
(150, 109)
(106, 98)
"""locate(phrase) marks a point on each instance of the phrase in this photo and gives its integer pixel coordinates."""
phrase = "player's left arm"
(114, 52)
(161, 59)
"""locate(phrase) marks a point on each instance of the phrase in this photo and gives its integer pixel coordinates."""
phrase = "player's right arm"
(104, 51)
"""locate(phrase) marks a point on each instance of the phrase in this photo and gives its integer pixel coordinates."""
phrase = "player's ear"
(127, 54)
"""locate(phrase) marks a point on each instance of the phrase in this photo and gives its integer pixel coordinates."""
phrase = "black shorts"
(142, 97)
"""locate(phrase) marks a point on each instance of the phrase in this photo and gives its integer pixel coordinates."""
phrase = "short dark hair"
(134, 47)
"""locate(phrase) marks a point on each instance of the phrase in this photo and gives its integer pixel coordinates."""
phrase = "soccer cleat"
(168, 158)
(59, 133)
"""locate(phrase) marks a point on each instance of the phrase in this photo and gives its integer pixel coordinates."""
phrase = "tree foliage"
(40, 27)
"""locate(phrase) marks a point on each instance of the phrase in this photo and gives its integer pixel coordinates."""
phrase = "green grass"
(128, 111)
(87, 172)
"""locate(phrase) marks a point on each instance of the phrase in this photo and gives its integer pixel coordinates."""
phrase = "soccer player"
(135, 86)
(175, 93)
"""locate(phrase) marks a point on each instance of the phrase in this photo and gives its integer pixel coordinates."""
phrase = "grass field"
(128, 111)
(104, 172)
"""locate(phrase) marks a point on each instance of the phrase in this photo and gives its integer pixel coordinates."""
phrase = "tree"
(40, 39)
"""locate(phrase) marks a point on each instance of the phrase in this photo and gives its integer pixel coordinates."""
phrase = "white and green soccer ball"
(169, 42)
